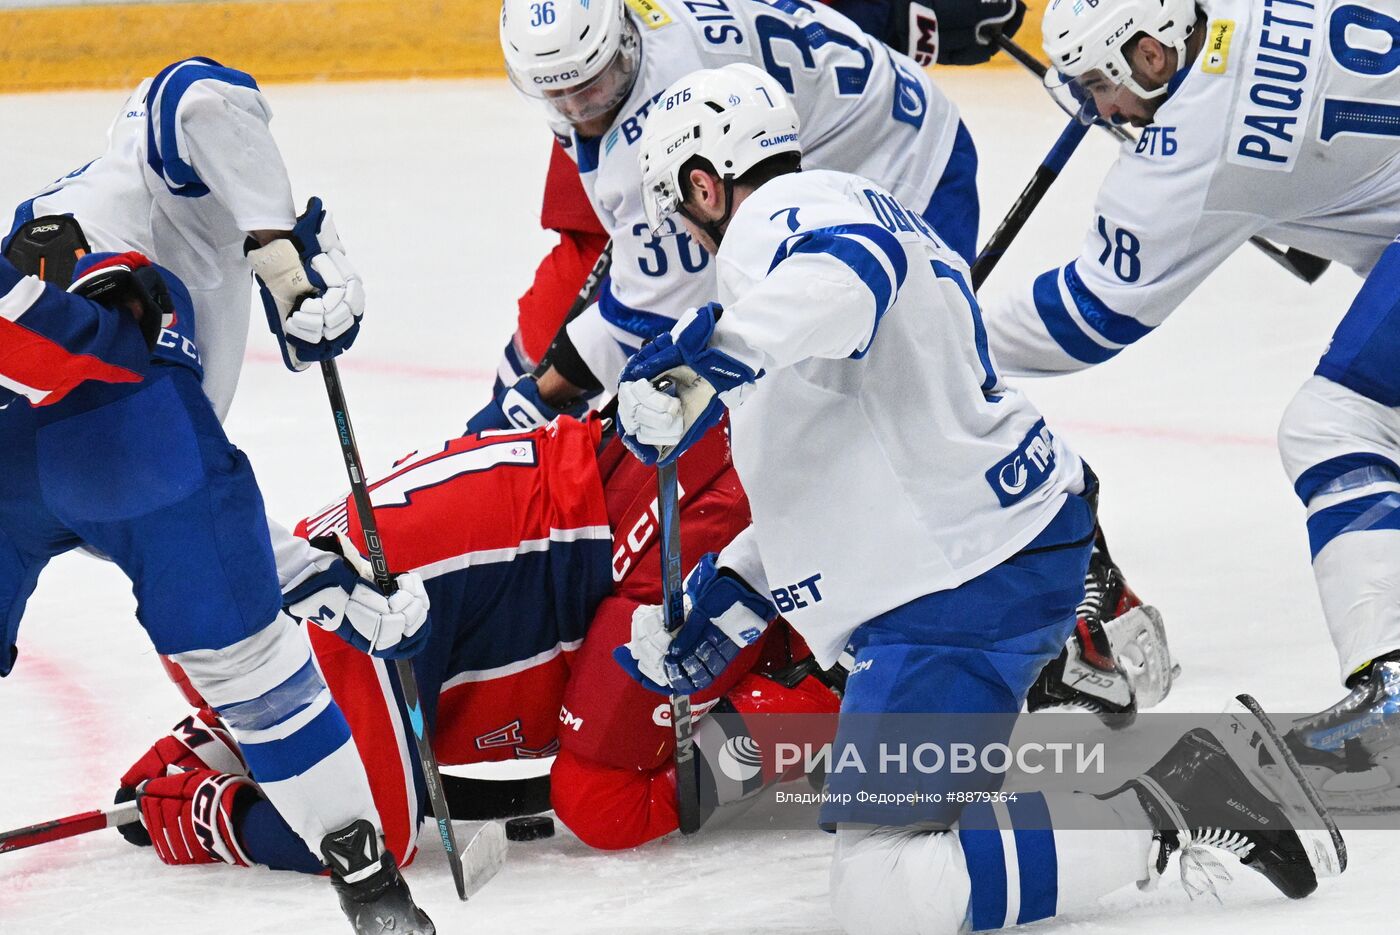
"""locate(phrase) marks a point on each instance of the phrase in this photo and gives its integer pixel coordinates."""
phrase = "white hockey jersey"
(190, 166)
(864, 108)
(1287, 124)
(882, 456)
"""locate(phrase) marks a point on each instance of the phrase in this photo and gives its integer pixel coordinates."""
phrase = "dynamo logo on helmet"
(732, 117)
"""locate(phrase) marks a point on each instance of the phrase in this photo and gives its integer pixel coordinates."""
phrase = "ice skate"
(372, 892)
(1236, 789)
(1351, 751)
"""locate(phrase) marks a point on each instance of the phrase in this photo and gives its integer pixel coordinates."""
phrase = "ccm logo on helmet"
(777, 140)
(555, 79)
(677, 143)
(1118, 32)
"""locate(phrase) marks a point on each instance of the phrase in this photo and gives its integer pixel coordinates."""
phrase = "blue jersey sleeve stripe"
(634, 321)
(849, 244)
(1120, 329)
(979, 330)
(162, 148)
(1049, 304)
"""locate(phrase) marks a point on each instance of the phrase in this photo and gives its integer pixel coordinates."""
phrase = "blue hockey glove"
(658, 426)
(339, 594)
(520, 406)
(723, 615)
(313, 297)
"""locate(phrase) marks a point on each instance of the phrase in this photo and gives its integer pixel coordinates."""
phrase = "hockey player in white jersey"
(598, 67)
(144, 474)
(942, 539)
(1272, 117)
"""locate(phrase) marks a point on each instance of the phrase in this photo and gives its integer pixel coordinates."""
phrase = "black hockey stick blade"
(1305, 266)
(1326, 848)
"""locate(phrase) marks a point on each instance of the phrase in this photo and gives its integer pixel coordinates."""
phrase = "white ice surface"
(436, 190)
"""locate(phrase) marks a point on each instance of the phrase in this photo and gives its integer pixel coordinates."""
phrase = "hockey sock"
(1031, 859)
(291, 732)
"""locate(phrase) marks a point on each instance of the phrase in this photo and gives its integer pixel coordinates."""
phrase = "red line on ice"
(84, 720)
(354, 364)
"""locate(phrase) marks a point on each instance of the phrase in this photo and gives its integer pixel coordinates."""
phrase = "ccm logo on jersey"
(638, 537)
(1020, 473)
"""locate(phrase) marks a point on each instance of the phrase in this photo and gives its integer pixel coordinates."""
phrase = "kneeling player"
(534, 549)
(848, 337)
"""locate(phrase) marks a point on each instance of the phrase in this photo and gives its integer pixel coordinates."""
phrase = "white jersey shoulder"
(1281, 126)
(863, 107)
(875, 367)
(190, 166)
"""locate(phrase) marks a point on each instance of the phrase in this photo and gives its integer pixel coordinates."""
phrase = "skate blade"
(1289, 787)
(483, 857)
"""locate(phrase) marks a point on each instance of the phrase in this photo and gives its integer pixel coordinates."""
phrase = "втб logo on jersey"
(1014, 477)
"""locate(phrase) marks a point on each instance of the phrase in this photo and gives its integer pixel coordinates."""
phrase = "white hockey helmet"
(579, 56)
(1087, 40)
(734, 117)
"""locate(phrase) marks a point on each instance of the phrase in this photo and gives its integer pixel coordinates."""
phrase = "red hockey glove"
(200, 741)
(190, 817)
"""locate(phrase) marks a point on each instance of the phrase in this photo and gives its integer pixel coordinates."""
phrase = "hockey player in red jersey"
(534, 548)
(561, 275)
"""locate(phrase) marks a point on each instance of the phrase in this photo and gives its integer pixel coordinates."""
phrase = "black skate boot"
(373, 894)
(1351, 751)
(1116, 639)
(1202, 795)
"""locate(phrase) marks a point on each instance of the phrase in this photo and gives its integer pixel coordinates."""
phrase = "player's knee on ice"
(899, 882)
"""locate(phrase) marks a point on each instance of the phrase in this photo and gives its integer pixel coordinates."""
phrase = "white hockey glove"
(313, 297)
(340, 595)
(659, 426)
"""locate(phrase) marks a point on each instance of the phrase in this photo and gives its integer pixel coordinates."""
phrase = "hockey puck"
(530, 828)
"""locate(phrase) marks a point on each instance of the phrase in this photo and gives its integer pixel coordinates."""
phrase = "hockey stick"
(432, 777)
(1045, 175)
(67, 827)
(1305, 266)
(673, 604)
